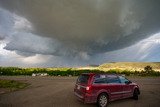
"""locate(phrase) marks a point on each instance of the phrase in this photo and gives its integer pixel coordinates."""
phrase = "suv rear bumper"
(86, 99)
(79, 97)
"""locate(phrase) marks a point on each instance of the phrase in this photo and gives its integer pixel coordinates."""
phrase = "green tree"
(148, 69)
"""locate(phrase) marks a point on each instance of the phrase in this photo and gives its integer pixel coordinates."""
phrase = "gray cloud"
(28, 44)
(79, 28)
(147, 50)
(2, 37)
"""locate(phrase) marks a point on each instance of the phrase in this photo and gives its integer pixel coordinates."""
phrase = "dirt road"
(58, 92)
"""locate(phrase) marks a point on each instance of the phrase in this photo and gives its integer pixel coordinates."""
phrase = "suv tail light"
(88, 89)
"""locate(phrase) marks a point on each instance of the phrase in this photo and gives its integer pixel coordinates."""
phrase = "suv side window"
(98, 79)
(113, 79)
(123, 79)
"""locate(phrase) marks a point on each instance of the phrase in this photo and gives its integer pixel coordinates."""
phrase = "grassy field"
(131, 66)
(127, 68)
(12, 71)
(11, 85)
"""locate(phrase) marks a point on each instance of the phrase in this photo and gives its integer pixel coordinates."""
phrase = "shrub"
(148, 69)
(67, 72)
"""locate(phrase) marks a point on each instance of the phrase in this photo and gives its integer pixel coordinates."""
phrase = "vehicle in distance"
(103, 88)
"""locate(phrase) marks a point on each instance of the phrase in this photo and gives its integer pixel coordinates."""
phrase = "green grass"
(12, 85)
(14, 71)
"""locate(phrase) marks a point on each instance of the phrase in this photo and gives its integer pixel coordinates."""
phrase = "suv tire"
(135, 94)
(102, 100)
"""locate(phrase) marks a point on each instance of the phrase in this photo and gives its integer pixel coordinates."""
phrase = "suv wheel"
(102, 100)
(135, 94)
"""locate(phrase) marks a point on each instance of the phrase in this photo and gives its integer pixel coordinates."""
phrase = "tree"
(148, 69)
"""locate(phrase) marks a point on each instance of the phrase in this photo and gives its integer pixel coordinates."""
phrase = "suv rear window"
(83, 79)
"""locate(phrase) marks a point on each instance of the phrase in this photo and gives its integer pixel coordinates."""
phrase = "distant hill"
(130, 65)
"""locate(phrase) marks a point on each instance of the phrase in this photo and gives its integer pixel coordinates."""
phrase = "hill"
(133, 66)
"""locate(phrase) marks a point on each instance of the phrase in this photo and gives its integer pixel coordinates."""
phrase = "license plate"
(78, 87)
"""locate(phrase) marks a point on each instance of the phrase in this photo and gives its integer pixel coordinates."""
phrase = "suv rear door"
(80, 87)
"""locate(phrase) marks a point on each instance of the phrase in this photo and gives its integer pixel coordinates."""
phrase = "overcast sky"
(49, 33)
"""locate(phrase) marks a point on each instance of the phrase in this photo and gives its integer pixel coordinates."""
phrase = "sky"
(59, 33)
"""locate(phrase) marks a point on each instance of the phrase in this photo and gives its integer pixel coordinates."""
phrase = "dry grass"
(132, 66)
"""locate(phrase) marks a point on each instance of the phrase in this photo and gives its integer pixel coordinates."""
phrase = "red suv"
(102, 88)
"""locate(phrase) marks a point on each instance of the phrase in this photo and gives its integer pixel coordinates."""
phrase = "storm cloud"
(76, 28)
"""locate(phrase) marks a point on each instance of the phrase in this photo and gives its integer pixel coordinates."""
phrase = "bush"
(148, 69)
(67, 72)
(126, 72)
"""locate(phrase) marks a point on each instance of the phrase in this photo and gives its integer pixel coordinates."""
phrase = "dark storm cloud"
(90, 26)
(2, 37)
(27, 44)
